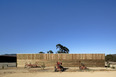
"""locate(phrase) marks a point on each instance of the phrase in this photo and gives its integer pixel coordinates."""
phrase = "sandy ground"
(63, 74)
(49, 72)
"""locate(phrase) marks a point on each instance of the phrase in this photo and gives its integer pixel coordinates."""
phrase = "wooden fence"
(68, 60)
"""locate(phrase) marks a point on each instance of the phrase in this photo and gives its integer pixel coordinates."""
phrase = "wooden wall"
(68, 60)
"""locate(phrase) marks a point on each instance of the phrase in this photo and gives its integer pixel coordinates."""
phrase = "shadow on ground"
(65, 69)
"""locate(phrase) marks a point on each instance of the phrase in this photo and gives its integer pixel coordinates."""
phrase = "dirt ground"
(49, 72)
(64, 74)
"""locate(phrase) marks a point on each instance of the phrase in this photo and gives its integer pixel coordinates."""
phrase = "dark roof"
(9, 55)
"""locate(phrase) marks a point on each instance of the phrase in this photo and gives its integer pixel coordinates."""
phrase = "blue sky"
(83, 26)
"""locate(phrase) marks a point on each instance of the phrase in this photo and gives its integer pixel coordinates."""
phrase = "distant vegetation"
(41, 52)
(62, 49)
(50, 51)
(110, 57)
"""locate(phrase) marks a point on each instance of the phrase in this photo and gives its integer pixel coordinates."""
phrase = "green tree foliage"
(111, 57)
(114, 58)
(41, 52)
(50, 51)
(62, 49)
(108, 57)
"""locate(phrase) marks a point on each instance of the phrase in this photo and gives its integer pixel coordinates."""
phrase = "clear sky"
(83, 26)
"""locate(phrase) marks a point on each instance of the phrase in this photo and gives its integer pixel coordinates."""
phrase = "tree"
(50, 51)
(62, 49)
(114, 58)
(108, 57)
(41, 52)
